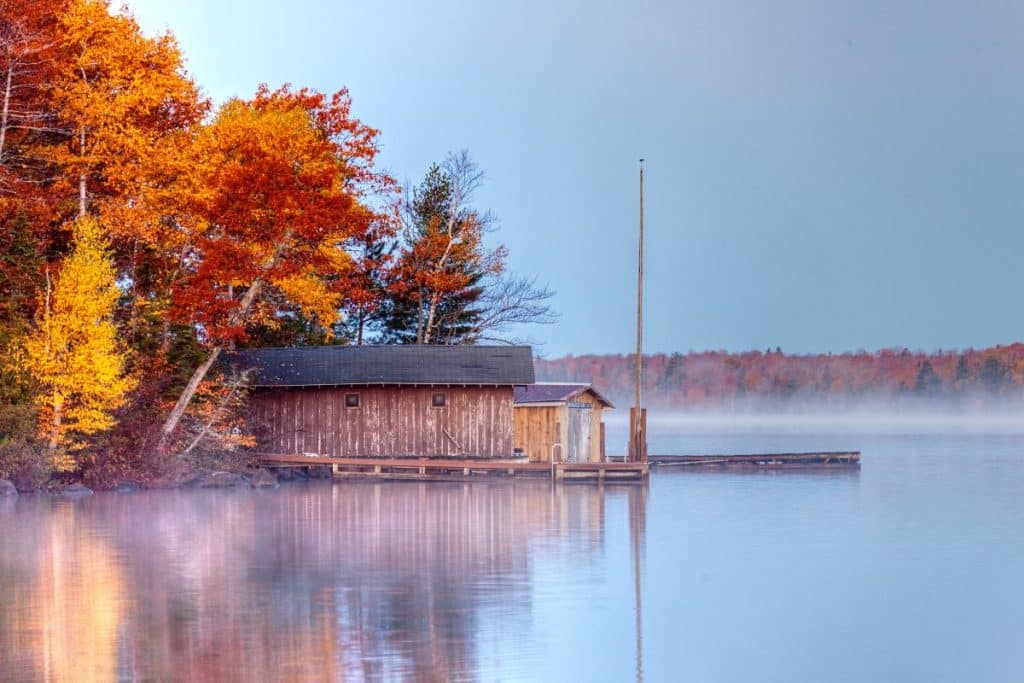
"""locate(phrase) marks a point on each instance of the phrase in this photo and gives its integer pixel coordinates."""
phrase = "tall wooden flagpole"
(638, 416)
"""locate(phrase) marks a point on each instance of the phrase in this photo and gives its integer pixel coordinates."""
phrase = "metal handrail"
(561, 452)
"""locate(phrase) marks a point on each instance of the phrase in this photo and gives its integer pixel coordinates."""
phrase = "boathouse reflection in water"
(363, 580)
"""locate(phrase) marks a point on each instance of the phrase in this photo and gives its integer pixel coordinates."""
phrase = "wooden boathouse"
(386, 401)
(560, 421)
(417, 412)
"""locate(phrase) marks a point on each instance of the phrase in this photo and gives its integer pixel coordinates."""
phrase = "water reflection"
(346, 581)
(637, 537)
(42, 637)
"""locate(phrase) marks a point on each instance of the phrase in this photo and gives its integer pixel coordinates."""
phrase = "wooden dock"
(611, 471)
(816, 460)
(448, 469)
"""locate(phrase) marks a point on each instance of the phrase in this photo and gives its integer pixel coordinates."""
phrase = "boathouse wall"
(537, 428)
(389, 421)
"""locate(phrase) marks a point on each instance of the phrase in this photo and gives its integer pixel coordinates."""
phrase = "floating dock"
(448, 469)
(816, 460)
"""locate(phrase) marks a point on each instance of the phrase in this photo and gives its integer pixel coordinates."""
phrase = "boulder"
(76, 490)
(320, 472)
(126, 487)
(7, 489)
(222, 480)
(263, 479)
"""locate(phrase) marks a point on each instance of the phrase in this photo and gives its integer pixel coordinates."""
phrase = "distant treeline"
(756, 379)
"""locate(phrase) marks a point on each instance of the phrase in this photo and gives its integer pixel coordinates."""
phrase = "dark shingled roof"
(399, 364)
(554, 393)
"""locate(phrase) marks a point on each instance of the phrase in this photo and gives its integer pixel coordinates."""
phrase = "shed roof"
(555, 393)
(394, 364)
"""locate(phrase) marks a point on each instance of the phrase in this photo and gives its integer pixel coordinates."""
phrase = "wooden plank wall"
(389, 422)
(535, 428)
(595, 427)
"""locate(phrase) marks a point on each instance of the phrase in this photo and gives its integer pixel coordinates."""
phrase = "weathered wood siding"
(535, 428)
(595, 427)
(389, 422)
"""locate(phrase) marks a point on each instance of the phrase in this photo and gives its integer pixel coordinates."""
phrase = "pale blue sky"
(823, 176)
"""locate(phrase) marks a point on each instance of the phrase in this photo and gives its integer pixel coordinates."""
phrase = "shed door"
(579, 432)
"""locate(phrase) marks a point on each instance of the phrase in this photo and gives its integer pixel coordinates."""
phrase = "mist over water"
(669, 430)
(906, 569)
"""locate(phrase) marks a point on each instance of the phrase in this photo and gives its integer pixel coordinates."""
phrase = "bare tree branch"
(511, 300)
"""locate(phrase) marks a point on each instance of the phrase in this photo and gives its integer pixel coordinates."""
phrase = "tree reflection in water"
(350, 580)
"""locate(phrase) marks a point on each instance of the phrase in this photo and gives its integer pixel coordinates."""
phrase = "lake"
(909, 569)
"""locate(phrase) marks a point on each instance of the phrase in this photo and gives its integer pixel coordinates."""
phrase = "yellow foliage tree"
(73, 354)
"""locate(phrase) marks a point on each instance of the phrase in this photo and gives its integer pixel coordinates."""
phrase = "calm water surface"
(910, 570)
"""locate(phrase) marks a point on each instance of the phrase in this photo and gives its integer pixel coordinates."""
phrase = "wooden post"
(631, 443)
(638, 399)
(643, 435)
(637, 415)
(604, 453)
(638, 436)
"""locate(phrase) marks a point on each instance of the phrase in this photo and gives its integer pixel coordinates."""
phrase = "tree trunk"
(419, 316)
(165, 327)
(57, 404)
(55, 423)
(435, 298)
(186, 395)
(132, 324)
(165, 336)
(6, 113)
(81, 176)
(200, 372)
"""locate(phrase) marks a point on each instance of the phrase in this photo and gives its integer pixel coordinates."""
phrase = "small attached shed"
(385, 401)
(566, 414)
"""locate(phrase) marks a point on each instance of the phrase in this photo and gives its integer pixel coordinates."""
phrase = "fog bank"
(858, 422)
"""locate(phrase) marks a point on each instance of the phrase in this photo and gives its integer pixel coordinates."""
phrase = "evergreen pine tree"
(434, 207)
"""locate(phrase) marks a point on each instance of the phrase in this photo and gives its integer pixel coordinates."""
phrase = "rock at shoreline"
(263, 479)
(7, 489)
(222, 480)
(76, 490)
(320, 472)
(126, 487)
(291, 474)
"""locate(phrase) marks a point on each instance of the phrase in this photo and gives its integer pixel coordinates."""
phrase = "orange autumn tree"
(74, 355)
(28, 48)
(117, 96)
(95, 118)
(124, 112)
(280, 191)
(28, 43)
